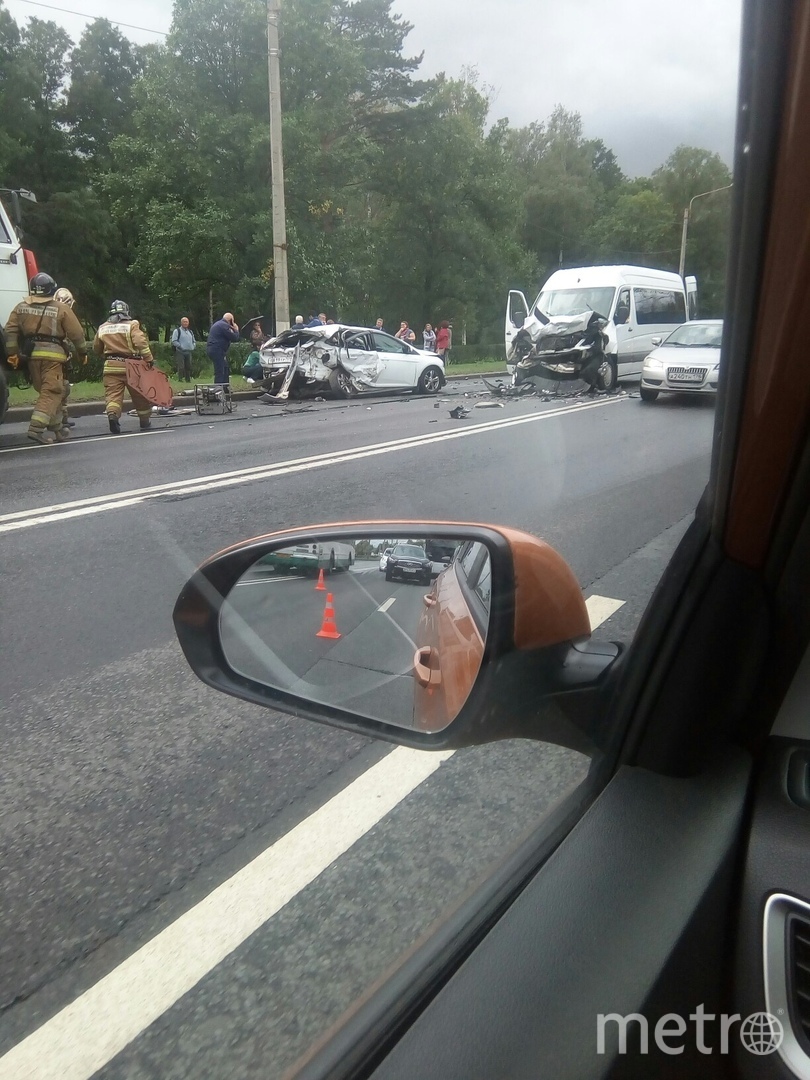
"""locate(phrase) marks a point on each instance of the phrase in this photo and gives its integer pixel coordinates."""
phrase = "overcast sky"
(644, 74)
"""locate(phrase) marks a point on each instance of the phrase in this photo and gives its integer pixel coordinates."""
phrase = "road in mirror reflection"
(391, 629)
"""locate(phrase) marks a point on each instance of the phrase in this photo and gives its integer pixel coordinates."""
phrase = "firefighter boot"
(41, 436)
(146, 423)
(61, 434)
(115, 426)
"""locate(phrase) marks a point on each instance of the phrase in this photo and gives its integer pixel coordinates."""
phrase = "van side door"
(658, 311)
(516, 311)
(625, 331)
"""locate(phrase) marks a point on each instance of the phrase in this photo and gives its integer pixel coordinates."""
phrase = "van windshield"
(576, 301)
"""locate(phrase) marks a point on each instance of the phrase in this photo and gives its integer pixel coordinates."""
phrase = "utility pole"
(687, 213)
(280, 280)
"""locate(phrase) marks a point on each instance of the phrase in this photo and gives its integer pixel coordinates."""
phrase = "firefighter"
(65, 296)
(119, 340)
(38, 331)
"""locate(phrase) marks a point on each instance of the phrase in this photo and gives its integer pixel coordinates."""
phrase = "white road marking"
(600, 608)
(25, 519)
(387, 604)
(270, 580)
(88, 1033)
(83, 440)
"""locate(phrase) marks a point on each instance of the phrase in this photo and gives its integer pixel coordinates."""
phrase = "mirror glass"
(390, 628)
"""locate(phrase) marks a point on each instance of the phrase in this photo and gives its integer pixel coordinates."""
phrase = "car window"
(385, 343)
(704, 334)
(357, 341)
(659, 306)
(136, 794)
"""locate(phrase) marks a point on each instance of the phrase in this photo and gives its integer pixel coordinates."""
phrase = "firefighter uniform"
(50, 325)
(117, 342)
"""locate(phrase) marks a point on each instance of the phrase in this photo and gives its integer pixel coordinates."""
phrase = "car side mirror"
(496, 646)
(656, 340)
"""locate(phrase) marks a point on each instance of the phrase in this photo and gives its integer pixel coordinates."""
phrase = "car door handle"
(429, 601)
(423, 673)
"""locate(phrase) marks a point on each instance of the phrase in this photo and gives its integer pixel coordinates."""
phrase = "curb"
(20, 413)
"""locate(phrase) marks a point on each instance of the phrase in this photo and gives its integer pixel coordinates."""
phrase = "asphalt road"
(132, 792)
(270, 633)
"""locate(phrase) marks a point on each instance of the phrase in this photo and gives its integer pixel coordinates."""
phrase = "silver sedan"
(687, 361)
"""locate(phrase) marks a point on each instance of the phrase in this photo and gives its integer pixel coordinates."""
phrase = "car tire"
(340, 384)
(389, 576)
(646, 394)
(430, 381)
(608, 375)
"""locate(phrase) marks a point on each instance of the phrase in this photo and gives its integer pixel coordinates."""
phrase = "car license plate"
(687, 374)
(408, 570)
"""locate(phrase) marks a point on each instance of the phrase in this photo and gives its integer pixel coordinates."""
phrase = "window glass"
(384, 343)
(659, 306)
(576, 301)
(131, 790)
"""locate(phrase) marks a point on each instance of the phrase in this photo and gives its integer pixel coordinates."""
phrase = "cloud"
(644, 74)
(640, 72)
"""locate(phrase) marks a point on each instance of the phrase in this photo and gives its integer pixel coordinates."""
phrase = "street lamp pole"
(280, 280)
(687, 213)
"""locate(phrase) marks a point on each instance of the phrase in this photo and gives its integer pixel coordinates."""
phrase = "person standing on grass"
(405, 333)
(429, 338)
(183, 343)
(443, 340)
(223, 333)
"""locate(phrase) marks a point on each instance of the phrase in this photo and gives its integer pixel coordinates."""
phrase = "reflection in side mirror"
(318, 620)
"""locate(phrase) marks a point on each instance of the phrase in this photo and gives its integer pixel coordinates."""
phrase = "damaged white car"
(345, 361)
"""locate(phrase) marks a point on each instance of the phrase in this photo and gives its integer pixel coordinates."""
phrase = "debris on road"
(489, 405)
(459, 413)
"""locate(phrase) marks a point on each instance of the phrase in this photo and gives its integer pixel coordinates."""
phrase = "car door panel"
(399, 363)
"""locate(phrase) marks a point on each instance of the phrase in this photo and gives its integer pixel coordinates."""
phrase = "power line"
(92, 18)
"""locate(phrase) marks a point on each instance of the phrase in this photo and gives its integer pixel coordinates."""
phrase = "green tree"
(639, 228)
(103, 69)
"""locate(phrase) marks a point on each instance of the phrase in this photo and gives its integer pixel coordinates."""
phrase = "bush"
(471, 354)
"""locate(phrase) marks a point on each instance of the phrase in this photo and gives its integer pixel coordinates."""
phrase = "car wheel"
(430, 381)
(647, 394)
(389, 576)
(608, 375)
(340, 384)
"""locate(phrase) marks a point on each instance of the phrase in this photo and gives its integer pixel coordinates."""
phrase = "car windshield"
(409, 551)
(575, 301)
(697, 334)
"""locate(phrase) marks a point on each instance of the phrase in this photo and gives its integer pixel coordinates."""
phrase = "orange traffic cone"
(320, 587)
(328, 628)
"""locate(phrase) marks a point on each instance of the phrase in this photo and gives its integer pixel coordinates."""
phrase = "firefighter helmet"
(41, 285)
(64, 296)
(119, 311)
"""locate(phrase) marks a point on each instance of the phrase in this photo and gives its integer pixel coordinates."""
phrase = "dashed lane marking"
(388, 603)
(600, 608)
